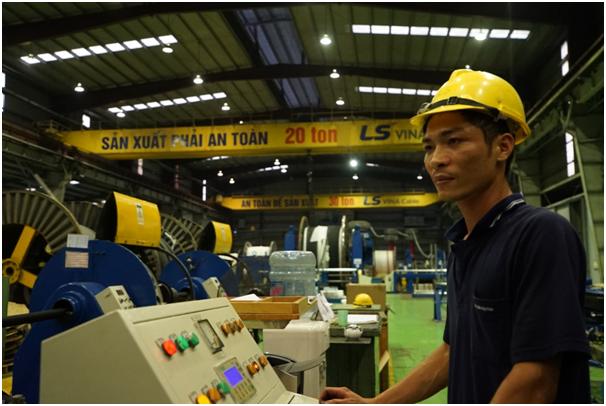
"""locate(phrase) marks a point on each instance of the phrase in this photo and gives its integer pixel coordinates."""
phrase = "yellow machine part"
(223, 237)
(11, 267)
(216, 237)
(137, 221)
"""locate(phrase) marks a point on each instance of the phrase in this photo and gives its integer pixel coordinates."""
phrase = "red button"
(169, 347)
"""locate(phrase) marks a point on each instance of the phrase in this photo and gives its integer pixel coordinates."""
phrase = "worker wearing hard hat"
(516, 273)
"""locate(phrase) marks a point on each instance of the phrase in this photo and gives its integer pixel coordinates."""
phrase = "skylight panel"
(419, 30)
(379, 29)
(400, 30)
(81, 52)
(360, 29)
(519, 34)
(47, 57)
(365, 89)
(98, 49)
(64, 54)
(458, 32)
(133, 44)
(115, 47)
(496, 33)
(438, 31)
(168, 39)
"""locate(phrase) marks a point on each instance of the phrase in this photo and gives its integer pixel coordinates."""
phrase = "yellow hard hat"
(476, 90)
(363, 299)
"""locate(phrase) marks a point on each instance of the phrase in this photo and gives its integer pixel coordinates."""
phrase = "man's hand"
(341, 395)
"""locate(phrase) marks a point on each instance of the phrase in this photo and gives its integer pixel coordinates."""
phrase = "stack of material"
(14, 338)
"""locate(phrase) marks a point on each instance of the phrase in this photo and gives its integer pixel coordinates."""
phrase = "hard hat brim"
(419, 120)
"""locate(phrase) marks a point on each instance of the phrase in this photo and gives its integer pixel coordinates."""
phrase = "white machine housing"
(120, 358)
(302, 341)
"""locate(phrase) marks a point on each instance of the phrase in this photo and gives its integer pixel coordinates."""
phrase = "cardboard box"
(375, 290)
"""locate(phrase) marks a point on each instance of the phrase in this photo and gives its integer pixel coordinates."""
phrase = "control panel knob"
(214, 395)
(202, 400)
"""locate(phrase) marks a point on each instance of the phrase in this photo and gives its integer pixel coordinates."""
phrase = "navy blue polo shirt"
(515, 293)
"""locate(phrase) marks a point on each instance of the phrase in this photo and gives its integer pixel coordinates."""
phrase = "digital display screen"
(233, 376)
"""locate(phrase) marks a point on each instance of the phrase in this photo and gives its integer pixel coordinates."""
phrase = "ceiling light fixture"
(79, 88)
(231, 181)
(120, 114)
(467, 67)
(420, 177)
(335, 74)
(74, 182)
(240, 122)
(283, 170)
(220, 173)
(198, 80)
(355, 177)
(353, 163)
(325, 40)
(340, 101)
(167, 50)
(277, 162)
(225, 107)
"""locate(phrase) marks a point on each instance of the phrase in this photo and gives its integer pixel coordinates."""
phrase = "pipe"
(35, 317)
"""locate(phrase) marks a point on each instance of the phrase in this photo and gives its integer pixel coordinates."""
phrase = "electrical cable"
(183, 267)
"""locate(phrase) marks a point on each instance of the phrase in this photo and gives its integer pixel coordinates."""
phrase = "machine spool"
(202, 265)
(177, 235)
(194, 228)
(86, 213)
(34, 226)
(61, 284)
(334, 238)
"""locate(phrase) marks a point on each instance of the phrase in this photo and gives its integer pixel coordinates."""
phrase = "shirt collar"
(459, 229)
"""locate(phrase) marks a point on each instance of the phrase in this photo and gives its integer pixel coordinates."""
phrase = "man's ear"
(504, 144)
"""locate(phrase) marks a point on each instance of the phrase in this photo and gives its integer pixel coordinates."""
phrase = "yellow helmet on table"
(476, 90)
(363, 299)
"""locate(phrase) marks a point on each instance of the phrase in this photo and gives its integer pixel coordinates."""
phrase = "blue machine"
(65, 284)
(201, 265)
(362, 247)
(75, 288)
(290, 239)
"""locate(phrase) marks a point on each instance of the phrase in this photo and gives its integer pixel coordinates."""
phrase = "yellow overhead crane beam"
(331, 137)
(341, 201)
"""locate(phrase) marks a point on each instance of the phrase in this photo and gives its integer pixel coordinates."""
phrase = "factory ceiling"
(269, 62)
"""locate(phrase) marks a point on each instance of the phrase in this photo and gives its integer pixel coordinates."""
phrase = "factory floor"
(413, 334)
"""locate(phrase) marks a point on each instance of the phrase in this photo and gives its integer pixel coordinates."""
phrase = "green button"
(193, 340)
(223, 388)
(182, 343)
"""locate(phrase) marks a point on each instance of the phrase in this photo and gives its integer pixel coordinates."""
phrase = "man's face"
(457, 158)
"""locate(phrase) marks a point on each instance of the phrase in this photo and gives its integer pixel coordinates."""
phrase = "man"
(514, 331)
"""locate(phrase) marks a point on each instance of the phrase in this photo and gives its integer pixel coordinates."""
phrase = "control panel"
(190, 352)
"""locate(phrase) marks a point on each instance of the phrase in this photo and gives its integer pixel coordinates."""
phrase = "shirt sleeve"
(548, 302)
